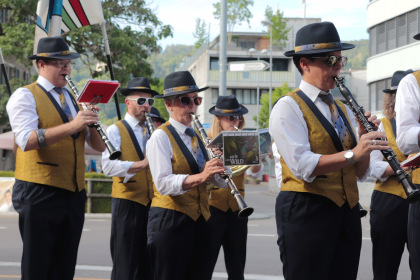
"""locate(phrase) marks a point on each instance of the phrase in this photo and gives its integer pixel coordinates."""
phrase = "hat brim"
(343, 47)
(181, 92)
(241, 112)
(392, 91)
(127, 91)
(159, 119)
(417, 37)
(69, 56)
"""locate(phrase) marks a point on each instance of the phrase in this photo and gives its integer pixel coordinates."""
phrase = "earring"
(307, 69)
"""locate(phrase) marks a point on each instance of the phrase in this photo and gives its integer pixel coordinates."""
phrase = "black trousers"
(50, 223)
(413, 233)
(388, 231)
(129, 240)
(228, 230)
(177, 245)
(317, 239)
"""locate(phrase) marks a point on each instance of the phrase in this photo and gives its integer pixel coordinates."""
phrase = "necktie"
(199, 157)
(343, 132)
(64, 104)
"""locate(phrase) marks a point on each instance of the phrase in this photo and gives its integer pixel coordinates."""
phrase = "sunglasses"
(142, 101)
(185, 100)
(332, 60)
(62, 64)
(234, 118)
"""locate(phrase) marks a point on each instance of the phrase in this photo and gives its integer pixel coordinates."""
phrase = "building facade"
(391, 27)
(204, 66)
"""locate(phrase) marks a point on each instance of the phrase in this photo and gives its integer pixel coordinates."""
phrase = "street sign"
(250, 65)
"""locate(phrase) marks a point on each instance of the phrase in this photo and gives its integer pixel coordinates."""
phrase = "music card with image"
(265, 141)
(98, 91)
(238, 147)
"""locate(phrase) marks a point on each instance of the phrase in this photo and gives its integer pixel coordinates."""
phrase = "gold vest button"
(344, 197)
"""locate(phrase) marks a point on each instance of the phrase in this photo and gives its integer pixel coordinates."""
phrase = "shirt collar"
(311, 91)
(45, 83)
(132, 121)
(178, 126)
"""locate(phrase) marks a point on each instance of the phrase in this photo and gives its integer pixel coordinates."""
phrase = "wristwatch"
(349, 155)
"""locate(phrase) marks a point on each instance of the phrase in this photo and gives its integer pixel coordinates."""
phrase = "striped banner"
(55, 17)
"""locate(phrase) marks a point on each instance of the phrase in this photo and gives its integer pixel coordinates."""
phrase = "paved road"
(263, 261)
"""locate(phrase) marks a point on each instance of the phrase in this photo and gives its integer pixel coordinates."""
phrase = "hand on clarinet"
(374, 121)
(213, 166)
(84, 118)
(369, 142)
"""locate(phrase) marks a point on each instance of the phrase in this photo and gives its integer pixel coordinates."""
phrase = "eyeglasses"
(234, 118)
(332, 60)
(61, 63)
(142, 101)
(185, 100)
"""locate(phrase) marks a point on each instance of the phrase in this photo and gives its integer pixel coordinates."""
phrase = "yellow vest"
(61, 164)
(139, 188)
(339, 186)
(222, 198)
(193, 203)
(391, 185)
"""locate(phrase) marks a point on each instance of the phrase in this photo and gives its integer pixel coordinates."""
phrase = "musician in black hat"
(156, 118)
(180, 168)
(226, 228)
(407, 108)
(49, 193)
(132, 188)
(389, 208)
(318, 219)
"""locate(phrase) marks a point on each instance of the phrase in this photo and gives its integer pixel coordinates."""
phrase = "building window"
(244, 96)
(394, 33)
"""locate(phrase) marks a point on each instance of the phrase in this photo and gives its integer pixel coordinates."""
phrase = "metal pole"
(258, 94)
(222, 50)
(271, 70)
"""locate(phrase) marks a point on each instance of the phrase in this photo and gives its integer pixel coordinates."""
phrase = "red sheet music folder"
(413, 161)
(97, 91)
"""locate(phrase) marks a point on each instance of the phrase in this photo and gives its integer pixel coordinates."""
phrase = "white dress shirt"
(277, 157)
(290, 133)
(407, 108)
(159, 152)
(22, 111)
(377, 165)
(119, 168)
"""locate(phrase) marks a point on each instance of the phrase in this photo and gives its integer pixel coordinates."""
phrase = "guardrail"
(91, 195)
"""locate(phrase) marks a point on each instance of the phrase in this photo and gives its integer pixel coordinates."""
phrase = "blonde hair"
(216, 126)
(389, 103)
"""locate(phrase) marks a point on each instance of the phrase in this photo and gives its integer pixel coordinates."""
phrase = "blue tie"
(198, 154)
(64, 104)
(343, 132)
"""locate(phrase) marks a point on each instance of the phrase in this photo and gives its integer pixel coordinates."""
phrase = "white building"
(391, 26)
(204, 66)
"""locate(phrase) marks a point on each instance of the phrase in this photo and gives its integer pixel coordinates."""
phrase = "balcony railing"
(278, 77)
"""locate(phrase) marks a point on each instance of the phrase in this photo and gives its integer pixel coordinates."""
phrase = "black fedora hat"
(396, 79)
(139, 84)
(228, 106)
(154, 113)
(316, 38)
(180, 82)
(53, 48)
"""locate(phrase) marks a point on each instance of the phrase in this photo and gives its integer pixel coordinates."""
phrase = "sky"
(349, 17)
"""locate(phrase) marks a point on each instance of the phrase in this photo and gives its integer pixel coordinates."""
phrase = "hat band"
(178, 89)
(67, 52)
(317, 46)
(393, 88)
(227, 110)
(139, 88)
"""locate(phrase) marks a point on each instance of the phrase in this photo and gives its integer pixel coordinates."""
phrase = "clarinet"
(410, 189)
(244, 210)
(113, 153)
(150, 127)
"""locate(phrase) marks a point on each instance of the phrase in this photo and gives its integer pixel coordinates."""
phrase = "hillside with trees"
(357, 56)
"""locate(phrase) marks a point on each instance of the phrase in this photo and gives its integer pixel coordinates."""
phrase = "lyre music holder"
(98, 91)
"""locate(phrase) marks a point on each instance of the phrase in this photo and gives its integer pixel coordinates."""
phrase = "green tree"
(237, 12)
(200, 33)
(263, 116)
(280, 29)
